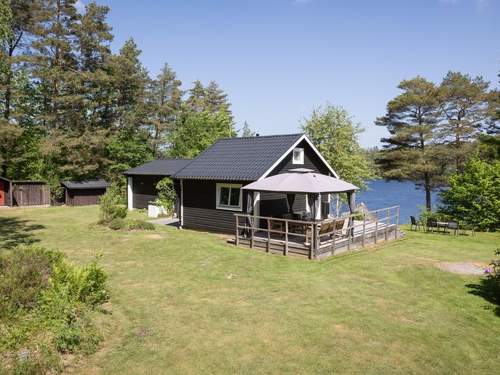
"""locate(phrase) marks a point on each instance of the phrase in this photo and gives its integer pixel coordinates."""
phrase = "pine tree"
(196, 97)
(410, 152)
(463, 102)
(166, 101)
(246, 131)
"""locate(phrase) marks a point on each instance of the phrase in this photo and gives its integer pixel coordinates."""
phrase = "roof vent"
(257, 135)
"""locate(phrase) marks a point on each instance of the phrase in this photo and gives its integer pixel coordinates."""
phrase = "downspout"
(181, 221)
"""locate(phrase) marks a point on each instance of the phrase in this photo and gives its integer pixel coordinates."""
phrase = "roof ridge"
(263, 136)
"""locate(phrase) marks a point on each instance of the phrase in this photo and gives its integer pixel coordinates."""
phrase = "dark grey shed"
(83, 193)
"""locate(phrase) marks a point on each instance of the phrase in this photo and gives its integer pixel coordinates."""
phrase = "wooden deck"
(319, 239)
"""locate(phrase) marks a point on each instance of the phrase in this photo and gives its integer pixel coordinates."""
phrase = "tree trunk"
(427, 187)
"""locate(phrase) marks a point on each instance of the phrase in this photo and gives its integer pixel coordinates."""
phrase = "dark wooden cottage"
(23, 193)
(83, 193)
(142, 180)
(209, 186)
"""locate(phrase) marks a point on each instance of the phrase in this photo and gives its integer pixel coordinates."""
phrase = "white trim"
(182, 204)
(130, 194)
(220, 185)
(303, 137)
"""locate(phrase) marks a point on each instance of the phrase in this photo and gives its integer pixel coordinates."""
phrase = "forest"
(71, 109)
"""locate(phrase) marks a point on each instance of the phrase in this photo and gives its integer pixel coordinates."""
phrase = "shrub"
(25, 272)
(140, 225)
(111, 206)
(474, 195)
(492, 282)
(48, 303)
(166, 195)
(117, 223)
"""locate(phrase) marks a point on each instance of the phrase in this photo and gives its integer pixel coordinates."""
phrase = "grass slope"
(185, 302)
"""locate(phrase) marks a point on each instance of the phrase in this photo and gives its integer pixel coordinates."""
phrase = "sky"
(279, 59)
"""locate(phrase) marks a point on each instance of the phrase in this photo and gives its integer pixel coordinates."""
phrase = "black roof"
(89, 184)
(243, 159)
(162, 167)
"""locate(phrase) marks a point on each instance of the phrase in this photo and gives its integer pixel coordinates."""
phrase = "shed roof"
(161, 167)
(243, 158)
(89, 184)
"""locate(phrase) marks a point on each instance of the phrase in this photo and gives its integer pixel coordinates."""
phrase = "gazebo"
(304, 181)
(316, 234)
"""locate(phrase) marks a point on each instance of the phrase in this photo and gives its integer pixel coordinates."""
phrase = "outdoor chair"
(431, 223)
(417, 224)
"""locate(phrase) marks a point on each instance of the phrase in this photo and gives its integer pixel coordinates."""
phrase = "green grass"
(186, 302)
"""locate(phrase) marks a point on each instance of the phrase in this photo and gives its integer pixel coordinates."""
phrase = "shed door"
(2, 193)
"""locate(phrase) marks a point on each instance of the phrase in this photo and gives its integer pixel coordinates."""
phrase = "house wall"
(200, 210)
(144, 190)
(83, 197)
(30, 193)
(5, 186)
(311, 161)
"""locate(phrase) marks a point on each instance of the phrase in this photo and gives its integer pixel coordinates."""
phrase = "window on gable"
(298, 156)
(229, 197)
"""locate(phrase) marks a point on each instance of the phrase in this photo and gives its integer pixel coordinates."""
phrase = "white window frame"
(301, 155)
(239, 207)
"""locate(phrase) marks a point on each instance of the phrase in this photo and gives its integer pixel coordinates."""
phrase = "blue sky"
(277, 59)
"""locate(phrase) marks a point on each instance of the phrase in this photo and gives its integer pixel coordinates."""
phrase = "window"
(229, 197)
(298, 156)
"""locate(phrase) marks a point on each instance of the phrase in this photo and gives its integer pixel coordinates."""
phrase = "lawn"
(186, 302)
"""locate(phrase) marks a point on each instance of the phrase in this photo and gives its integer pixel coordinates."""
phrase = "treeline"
(435, 129)
(71, 109)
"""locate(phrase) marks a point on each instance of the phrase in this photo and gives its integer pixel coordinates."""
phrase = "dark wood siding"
(200, 210)
(83, 197)
(311, 161)
(30, 193)
(5, 185)
(144, 189)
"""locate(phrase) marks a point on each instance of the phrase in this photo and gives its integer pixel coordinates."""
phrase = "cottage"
(83, 193)
(272, 192)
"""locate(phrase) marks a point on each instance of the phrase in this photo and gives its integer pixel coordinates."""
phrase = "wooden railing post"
(349, 230)
(387, 223)
(268, 235)
(364, 230)
(251, 233)
(376, 227)
(397, 222)
(237, 240)
(334, 235)
(286, 237)
(311, 242)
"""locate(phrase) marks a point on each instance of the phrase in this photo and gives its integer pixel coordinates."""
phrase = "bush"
(117, 223)
(49, 303)
(111, 206)
(474, 195)
(166, 195)
(140, 225)
(25, 272)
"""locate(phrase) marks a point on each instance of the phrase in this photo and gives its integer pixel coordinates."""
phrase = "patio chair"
(414, 223)
(326, 229)
(431, 223)
(453, 225)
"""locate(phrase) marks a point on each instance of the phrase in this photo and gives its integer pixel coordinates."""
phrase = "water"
(382, 194)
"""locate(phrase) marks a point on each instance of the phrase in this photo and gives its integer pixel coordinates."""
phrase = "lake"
(382, 194)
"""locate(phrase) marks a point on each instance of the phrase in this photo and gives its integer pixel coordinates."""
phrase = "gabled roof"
(162, 167)
(89, 184)
(243, 159)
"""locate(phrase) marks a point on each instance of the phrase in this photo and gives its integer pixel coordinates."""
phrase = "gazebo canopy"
(301, 181)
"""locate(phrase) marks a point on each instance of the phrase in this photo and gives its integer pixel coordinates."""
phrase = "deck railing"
(317, 237)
